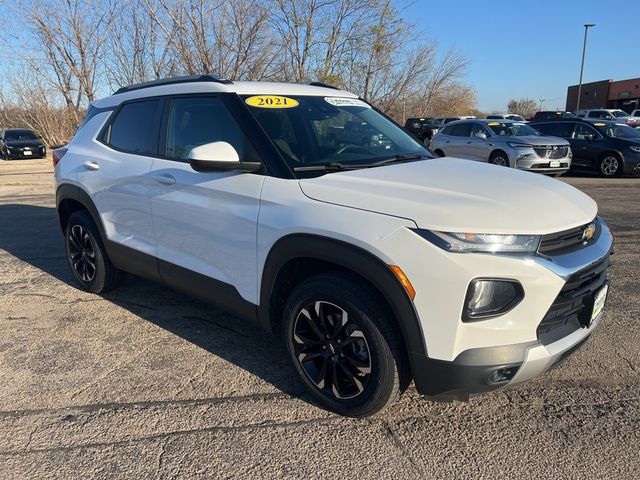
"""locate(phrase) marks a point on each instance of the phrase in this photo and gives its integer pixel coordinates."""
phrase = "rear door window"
(136, 127)
(461, 130)
(559, 129)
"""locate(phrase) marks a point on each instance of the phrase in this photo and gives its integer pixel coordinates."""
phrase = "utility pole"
(584, 49)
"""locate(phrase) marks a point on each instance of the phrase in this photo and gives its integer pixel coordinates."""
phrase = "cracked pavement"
(145, 382)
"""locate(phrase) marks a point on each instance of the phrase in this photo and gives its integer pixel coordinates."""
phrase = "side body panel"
(207, 222)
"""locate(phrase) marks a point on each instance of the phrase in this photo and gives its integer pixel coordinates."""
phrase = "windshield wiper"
(339, 167)
(401, 157)
(326, 167)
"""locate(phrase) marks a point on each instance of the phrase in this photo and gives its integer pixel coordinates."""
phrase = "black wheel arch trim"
(122, 257)
(68, 191)
(346, 256)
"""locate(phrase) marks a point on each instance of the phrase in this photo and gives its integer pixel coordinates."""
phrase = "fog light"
(502, 375)
(488, 298)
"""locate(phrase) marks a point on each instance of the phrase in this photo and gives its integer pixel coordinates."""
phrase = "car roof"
(18, 130)
(212, 86)
(484, 120)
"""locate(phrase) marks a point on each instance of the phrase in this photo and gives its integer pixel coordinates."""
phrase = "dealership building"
(623, 94)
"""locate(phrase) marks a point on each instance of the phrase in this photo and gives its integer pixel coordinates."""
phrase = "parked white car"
(612, 114)
(308, 212)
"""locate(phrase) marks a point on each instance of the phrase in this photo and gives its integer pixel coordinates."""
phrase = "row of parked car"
(552, 143)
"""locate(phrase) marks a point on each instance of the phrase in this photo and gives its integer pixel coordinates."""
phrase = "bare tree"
(138, 50)
(525, 107)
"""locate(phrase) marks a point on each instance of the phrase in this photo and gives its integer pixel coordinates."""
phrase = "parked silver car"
(503, 142)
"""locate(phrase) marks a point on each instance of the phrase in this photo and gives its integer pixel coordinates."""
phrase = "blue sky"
(533, 49)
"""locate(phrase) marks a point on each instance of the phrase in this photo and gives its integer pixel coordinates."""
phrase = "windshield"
(511, 129)
(618, 131)
(312, 130)
(619, 113)
(20, 135)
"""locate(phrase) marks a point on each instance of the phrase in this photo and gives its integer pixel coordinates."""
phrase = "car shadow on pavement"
(32, 234)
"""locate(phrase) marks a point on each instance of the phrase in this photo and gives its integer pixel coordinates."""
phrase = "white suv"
(304, 209)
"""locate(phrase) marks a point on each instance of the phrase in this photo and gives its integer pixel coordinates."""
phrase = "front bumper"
(474, 371)
(22, 153)
(461, 356)
(528, 159)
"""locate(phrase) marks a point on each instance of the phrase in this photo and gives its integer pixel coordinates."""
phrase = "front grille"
(572, 307)
(550, 152)
(567, 240)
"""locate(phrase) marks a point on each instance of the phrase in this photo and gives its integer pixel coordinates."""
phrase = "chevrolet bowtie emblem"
(588, 232)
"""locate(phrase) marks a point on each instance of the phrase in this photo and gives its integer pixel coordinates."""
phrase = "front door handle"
(165, 179)
(90, 165)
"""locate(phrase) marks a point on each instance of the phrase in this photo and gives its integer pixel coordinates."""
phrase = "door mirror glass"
(219, 157)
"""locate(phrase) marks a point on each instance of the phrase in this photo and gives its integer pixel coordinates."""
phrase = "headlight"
(481, 242)
(518, 145)
(635, 149)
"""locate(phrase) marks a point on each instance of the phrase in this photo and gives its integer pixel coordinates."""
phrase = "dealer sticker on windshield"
(271, 101)
(346, 102)
(598, 302)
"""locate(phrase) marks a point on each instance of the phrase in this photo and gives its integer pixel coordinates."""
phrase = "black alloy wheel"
(82, 254)
(87, 256)
(344, 344)
(332, 350)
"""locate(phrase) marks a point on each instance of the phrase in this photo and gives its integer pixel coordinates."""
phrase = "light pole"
(584, 49)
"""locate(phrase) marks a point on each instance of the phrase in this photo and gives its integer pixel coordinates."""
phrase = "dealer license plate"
(599, 301)
(554, 164)
(27, 152)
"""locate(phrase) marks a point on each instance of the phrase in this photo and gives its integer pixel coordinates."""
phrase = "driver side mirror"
(219, 157)
(480, 135)
(589, 137)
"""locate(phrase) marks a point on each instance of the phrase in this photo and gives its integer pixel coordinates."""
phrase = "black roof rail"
(324, 85)
(209, 77)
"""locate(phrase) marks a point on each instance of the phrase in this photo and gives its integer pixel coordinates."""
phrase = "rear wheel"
(343, 345)
(499, 158)
(87, 257)
(609, 165)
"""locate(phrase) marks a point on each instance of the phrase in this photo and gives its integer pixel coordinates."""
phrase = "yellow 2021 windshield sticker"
(271, 101)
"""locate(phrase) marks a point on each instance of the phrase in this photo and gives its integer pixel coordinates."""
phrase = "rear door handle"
(165, 178)
(90, 165)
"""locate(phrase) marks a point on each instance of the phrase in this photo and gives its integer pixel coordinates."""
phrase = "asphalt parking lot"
(145, 382)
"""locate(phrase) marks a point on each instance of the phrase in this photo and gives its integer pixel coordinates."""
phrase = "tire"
(609, 165)
(87, 256)
(499, 158)
(366, 351)
(439, 152)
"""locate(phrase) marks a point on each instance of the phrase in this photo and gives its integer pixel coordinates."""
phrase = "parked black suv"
(551, 115)
(422, 128)
(608, 148)
(21, 143)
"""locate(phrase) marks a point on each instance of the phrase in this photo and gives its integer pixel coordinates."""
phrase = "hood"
(454, 195)
(538, 140)
(24, 143)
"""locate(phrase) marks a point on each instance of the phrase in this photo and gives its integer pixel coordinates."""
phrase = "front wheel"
(500, 159)
(343, 345)
(609, 165)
